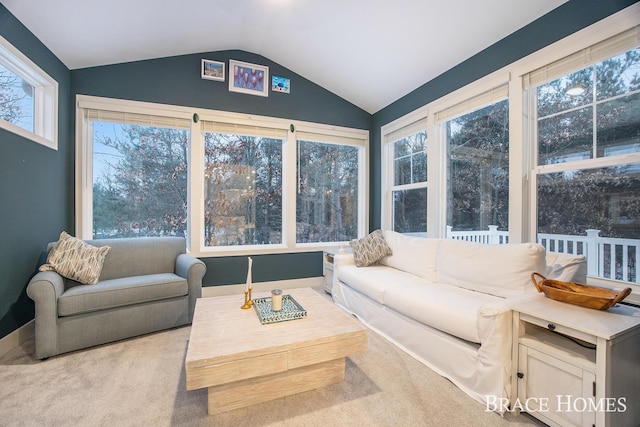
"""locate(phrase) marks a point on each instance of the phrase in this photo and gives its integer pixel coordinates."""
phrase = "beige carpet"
(141, 382)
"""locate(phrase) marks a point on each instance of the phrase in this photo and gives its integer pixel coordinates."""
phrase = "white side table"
(576, 366)
(327, 265)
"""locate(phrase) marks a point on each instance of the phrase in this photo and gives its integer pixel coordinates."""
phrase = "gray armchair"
(146, 285)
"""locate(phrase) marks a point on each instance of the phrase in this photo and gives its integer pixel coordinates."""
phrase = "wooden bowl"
(579, 294)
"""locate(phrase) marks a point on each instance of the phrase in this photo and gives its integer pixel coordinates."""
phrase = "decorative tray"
(579, 294)
(291, 310)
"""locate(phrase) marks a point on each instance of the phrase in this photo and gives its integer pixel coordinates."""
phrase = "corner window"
(28, 98)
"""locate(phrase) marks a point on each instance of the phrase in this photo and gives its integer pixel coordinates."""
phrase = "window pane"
(243, 190)
(566, 137)
(410, 159)
(595, 212)
(327, 194)
(478, 171)
(619, 126)
(410, 211)
(139, 181)
(16, 100)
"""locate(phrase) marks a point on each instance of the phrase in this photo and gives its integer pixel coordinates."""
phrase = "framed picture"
(280, 84)
(248, 78)
(212, 70)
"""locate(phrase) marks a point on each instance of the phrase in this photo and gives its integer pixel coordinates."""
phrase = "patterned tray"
(291, 310)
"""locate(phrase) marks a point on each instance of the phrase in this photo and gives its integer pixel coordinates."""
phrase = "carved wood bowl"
(579, 294)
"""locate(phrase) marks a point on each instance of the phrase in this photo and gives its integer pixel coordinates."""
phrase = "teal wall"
(36, 186)
(37, 183)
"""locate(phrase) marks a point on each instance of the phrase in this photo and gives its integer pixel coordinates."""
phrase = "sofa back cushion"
(500, 270)
(566, 267)
(139, 256)
(416, 255)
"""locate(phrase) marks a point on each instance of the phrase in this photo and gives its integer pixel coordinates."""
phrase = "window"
(406, 178)
(231, 183)
(587, 122)
(327, 191)
(28, 98)
(477, 157)
(243, 185)
(139, 175)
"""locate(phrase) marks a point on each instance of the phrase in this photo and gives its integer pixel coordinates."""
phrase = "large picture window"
(228, 183)
(243, 187)
(588, 148)
(139, 174)
(327, 192)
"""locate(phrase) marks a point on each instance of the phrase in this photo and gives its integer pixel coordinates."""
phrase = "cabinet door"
(553, 390)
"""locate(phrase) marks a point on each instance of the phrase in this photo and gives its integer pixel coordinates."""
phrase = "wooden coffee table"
(243, 362)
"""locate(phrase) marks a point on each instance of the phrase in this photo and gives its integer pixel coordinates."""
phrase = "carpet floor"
(141, 382)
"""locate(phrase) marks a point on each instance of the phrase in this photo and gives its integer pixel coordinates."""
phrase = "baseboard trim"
(17, 338)
(236, 289)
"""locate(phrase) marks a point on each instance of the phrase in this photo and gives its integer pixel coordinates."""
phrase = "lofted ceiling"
(369, 52)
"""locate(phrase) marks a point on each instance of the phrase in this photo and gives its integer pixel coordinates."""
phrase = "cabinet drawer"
(559, 328)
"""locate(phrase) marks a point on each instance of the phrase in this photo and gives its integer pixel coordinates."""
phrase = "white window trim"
(45, 99)
(195, 214)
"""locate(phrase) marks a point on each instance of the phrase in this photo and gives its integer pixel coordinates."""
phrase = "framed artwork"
(280, 84)
(212, 70)
(248, 78)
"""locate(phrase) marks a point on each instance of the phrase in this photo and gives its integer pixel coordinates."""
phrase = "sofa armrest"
(341, 260)
(44, 289)
(192, 269)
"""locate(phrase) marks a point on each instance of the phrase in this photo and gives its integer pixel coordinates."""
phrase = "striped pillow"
(76, 260)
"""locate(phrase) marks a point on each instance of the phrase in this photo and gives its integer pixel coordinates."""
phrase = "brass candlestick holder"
(248, 302)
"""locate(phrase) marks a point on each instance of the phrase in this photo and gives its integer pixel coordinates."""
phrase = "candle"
(276, 300)
(249, 284)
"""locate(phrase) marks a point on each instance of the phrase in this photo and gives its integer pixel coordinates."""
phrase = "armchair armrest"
(192, 269)
(44, 289)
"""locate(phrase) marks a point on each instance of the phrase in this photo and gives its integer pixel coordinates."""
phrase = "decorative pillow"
(76, 260)
(369, 249)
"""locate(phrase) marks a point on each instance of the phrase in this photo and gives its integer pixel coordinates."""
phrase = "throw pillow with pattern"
(370, 249)
(76, 260)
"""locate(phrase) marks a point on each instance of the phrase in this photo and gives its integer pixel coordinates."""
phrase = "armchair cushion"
(76, 260)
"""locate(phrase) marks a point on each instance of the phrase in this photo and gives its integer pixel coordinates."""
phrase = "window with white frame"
(407, 178)
(586, 125)
(229, 183)
(242, 184)
(139, 174)
(327, 193)
(476, 136)
(28, 98)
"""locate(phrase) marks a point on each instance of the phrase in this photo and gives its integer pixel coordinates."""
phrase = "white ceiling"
(369, 52)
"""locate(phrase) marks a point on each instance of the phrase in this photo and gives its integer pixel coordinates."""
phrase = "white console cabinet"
(327, 265)
(576, 366)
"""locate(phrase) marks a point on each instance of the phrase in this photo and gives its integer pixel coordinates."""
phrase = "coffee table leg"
(248, 392)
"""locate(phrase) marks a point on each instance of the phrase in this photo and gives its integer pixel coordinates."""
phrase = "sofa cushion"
(120, 292)
(412, 254)
(370, 248)
(76, 260)
(566, 267)
(501, 270)
(447, 308)
(374, 281)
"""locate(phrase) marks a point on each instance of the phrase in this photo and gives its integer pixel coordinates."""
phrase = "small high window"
(28, 98)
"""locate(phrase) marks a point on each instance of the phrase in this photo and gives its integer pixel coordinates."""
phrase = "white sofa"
(446, 302)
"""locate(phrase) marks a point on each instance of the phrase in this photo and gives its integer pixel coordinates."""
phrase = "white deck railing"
(608, 257)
